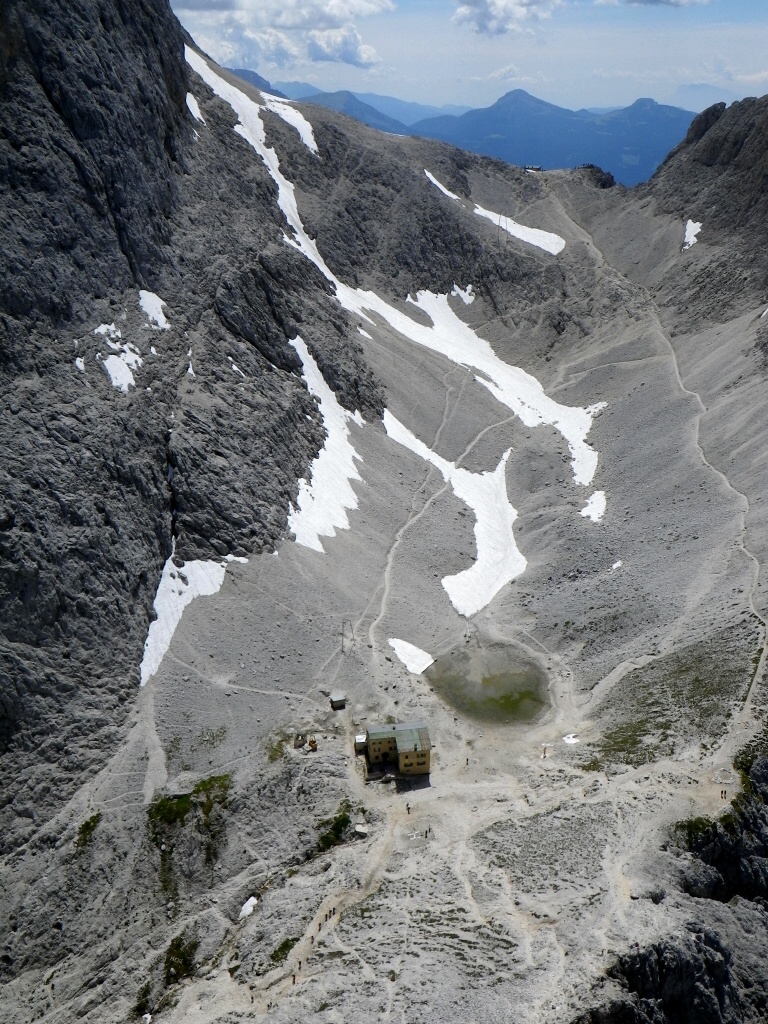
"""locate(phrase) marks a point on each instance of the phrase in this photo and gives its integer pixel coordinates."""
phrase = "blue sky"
(575, 53)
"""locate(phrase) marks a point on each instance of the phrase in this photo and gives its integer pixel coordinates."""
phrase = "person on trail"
(408, 808)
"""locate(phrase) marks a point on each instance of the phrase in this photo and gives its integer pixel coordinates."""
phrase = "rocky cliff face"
(109, 198)
(714, 970)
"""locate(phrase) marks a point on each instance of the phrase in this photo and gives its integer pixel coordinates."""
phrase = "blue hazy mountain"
(408, 112)
(630, 142)
(252, 78)
(347, 103)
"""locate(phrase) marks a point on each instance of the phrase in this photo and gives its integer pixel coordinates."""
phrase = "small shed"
(338, 700)
(361, 741)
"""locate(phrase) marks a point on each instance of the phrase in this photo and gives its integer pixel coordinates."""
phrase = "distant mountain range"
(630, 142)
(405, 112)
(521, 129)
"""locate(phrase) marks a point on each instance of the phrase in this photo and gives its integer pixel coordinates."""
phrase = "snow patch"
(466, 295)
(498, 559)
(153, 306)
(236, 368)
(80, 364)
(443, 189)
(248, 908)
(178, 587)
(571, 738)
(125, 359)
(294, 118)
(692, 228)
(616, 565)
(108, 331)
(764, 314)
(194, 108)
(546, 240)
(414, 659)
(323, 502)
(365, 334)
(595, 507)
(517, 390)
(190, 371)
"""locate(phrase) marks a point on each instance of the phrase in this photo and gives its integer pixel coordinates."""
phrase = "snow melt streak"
(414, 659)
(323, 502)
(172, 597)
(546, 240)
(294, 118)
(153, 306)
(498, 558)
(595, 507)
(692, 228)
(194, 108)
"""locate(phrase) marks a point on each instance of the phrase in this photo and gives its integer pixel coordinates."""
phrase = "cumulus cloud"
(343, 45)
(293, 14)
(205, 5)
(281, 33)
(665, 3)
(495, 17)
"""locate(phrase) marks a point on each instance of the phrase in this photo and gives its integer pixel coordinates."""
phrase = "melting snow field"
(119, 366)
(324, 501)
(153, 307)
(595, 507)
(294, 118)
(247, 908)
(498, 558)
(692, 228)
(178, 587)
(546, 240)
(194, 108)
(465, 294)
(414, 659)
(443, 189)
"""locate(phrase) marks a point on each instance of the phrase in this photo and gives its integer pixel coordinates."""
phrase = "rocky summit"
(310, 431)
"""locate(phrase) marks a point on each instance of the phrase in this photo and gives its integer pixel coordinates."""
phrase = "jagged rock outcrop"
(107, 194)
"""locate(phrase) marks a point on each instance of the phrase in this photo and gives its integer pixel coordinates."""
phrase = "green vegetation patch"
(276, 749)
(334, 828)
(180, 959)
(167, 816)
(678, 699)
(279, 955)
(86, 830)
(691, 830)
(143, 1002)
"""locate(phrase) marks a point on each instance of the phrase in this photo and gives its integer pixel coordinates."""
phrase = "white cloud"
(494, 17)
(270, 47)
(281, 33)
(665, 3)
(342, 45)
(292, 14)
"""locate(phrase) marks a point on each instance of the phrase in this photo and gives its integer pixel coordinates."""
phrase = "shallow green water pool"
(490, 683)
